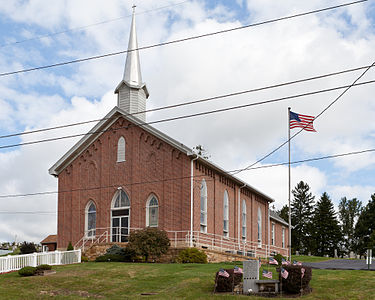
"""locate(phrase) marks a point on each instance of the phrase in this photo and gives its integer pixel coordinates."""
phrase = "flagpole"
(290, 216)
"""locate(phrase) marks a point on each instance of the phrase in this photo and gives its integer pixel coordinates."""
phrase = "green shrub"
(278, 257)
(27, 248)
(43, 267)
(27, 271)
(110, 257)
(192, 255)
(70, 247)
(149, 242)
(84, 258)
(115, 249)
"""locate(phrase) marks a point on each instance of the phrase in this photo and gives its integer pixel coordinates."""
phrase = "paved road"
(341, 264)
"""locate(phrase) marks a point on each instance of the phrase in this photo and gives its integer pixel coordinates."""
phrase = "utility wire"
(195, 101)
(181, 40)
(195, 115)
(90, 25)
(354, 83)
(194, 176)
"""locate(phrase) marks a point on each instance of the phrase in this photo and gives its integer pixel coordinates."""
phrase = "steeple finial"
(132, 72)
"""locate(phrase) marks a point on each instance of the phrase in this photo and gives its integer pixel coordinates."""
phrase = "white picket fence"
(16, 262)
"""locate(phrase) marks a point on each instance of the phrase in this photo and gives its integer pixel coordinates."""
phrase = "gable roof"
(50, 239)
(104, 124)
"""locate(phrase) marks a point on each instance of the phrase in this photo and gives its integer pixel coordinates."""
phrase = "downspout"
(191, 199)
(269, 238)
(239, 215)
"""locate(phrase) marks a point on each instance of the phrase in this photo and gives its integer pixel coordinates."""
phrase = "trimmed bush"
(149, 242)
(27, 271)
(115, 249)
(192, 255)
(84, 258)
(110, 257)
(226, 284)
(294, 283)
(43, 267)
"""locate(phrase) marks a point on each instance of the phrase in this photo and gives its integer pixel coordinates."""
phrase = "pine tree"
(365, 227)
(327, 234)
(284, 213)
(302, 208)
(349, 211)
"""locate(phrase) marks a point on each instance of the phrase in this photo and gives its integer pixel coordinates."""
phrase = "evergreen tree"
(349, 211)
(302, 208)
(284, 213)
(327, 234)
(365, 227)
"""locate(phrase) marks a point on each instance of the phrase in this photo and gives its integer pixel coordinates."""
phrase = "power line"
(195, 101)
(180, 40)
(354, 83)
(195, 115)
(188, 177)
(90, 25)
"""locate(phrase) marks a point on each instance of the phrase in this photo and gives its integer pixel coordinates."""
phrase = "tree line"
(317, 229)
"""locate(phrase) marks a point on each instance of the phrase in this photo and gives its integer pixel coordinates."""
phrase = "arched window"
(120, 214)
(121, 149)
(203, 206)
(283, 238)
(243, 220)
(90, 219)
(226, 214)
(152, 212)
(273, 234)
(259, 227)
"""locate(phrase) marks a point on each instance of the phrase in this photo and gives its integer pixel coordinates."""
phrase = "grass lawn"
(168, 281)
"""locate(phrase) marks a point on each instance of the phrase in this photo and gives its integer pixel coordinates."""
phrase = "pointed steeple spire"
(131, 92)
(132, 72)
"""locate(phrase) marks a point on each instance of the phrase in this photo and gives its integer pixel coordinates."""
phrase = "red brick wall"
(151, 167)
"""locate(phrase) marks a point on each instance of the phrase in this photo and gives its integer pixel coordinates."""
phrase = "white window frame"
(121, 149)
(226, 214)
(259, 227)
(273, 234)
(152, 196)
(203, 215)
(87, 230)
(244, 220)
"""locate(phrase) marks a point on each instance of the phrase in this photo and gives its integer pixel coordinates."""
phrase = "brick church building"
(125, 174)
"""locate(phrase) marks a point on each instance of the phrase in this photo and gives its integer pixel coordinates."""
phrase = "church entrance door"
(120, 225)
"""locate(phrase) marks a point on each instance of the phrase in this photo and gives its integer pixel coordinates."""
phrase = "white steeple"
(131, 91)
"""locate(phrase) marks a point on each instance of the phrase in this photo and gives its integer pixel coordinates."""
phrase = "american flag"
(272, 261)
(284, 273)
(284, 261)
(267, 274)
(237, 270)
(302, 272)
(297, 263)
(223, 273)
(302, 121)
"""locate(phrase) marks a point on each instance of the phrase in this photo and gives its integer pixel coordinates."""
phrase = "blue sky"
(240, 60)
